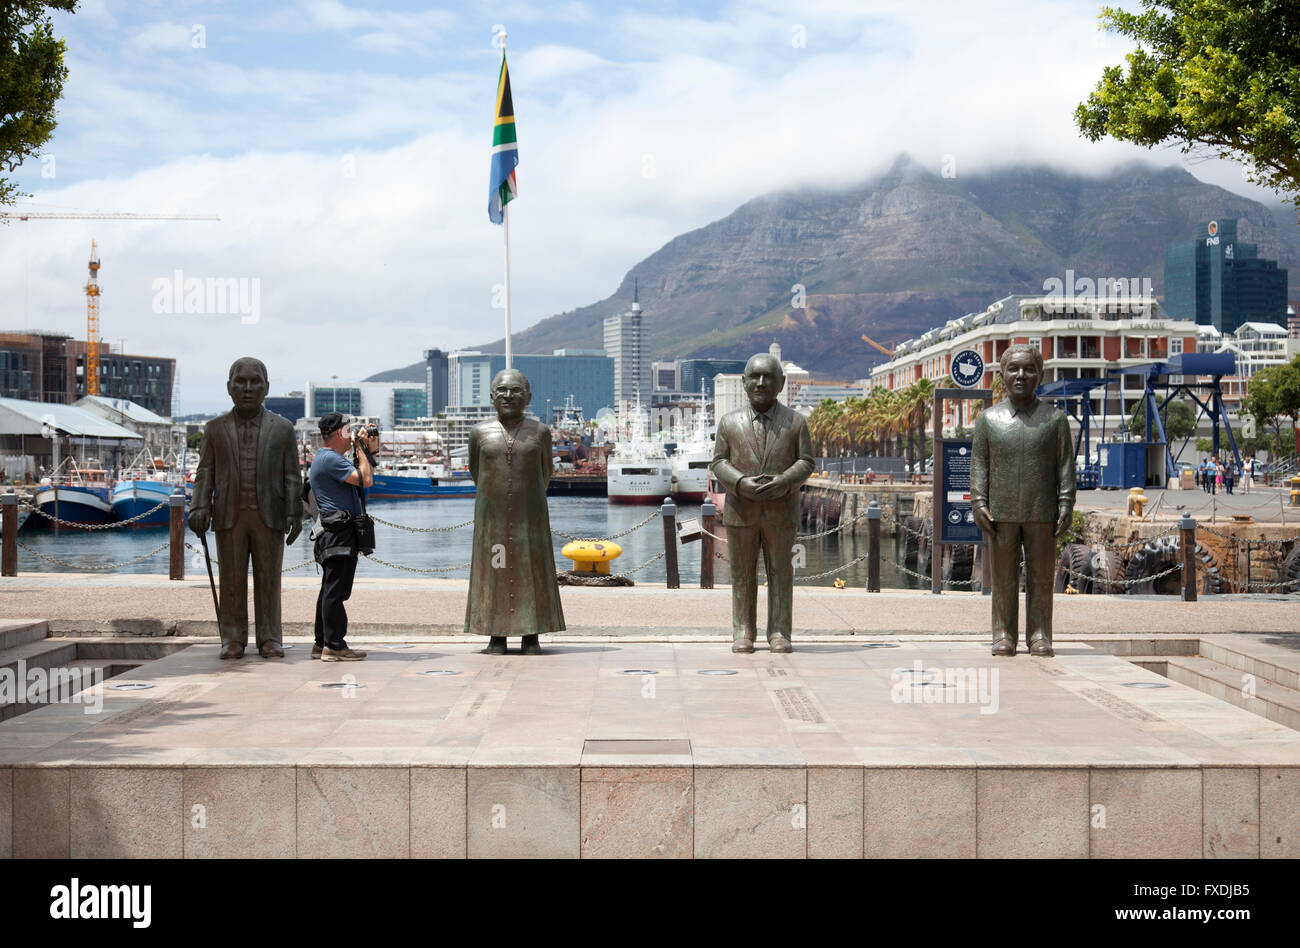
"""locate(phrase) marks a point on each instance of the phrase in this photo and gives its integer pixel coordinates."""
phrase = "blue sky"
(345, 148)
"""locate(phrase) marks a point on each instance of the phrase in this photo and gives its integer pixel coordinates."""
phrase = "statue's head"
(1022, 372)
(764, 380)
(247, 384)
(511, 394)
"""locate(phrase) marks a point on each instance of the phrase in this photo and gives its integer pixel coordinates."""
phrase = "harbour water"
(583, 517)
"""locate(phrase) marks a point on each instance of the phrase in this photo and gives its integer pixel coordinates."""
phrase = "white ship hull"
(639, 482)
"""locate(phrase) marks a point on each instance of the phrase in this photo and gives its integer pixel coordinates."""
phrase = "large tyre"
(960, 565)
(1289, 571)
(911, 528)
(1072, 568)
(1107, 572)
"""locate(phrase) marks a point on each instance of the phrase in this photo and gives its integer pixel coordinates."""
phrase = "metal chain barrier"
(94, 569)
(616, 536)
(398, 526)
(829, 572)
(96, 526)
(835, 529)
(637, 569)
(1123, 583)
(413, 569)
(284, 569)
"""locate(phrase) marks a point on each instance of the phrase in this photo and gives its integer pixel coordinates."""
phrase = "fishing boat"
(691, 461)
(78, 495)
(638, 471)
(144, 485)
(414, 479)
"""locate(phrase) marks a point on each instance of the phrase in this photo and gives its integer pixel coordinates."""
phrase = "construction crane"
(889, 353)
(92, 285)
(92, 324)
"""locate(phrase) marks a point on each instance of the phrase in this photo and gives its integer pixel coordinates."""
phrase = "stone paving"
(892, 747)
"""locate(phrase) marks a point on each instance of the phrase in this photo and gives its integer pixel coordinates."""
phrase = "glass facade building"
(1219, 281)
(695, 371)
(589, 378)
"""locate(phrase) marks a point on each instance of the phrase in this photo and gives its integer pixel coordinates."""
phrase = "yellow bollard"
(1136, 501)
(1295, 491)
(592, 556)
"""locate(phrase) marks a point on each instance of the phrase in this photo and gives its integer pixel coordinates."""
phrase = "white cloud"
(654, 127)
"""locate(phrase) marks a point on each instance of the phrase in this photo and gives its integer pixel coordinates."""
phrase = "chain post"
(708, 517)
(874, 514)
(669, 513)
(9, 558)
(1187, 536)
(176, 534)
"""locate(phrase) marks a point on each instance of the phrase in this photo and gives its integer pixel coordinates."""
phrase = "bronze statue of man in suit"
(1022, 496)
(248, 487)
(762, 456)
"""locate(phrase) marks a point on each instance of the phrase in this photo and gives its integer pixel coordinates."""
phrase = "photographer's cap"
(332, 422)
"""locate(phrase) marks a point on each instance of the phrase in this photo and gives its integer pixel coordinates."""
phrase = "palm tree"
(921, 398)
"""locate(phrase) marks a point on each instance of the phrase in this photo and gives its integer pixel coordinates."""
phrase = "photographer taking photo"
(336, 484)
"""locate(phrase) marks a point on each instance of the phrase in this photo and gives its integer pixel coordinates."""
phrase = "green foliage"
(31, 82)
(1204, 445)
(194, 442)
(1218, 77)
(1274, 395)
(1179, 420)
(1075, 533)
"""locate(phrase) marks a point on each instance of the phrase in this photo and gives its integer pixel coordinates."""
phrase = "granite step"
(1246, 690)
(1274, 657)
(64, 681)
(18, 631)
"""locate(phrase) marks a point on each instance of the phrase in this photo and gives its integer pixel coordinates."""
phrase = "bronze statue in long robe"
(512, 585)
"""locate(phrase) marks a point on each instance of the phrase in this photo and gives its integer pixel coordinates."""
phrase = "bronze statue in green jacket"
(1022, 496)
(762, 456)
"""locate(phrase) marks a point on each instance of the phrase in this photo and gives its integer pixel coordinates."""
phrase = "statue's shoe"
(496, 645)
(530, 645)
(232, 650)
(779, 644)
(271, 650)
(742, 646)
(1042, 647)
(1004, 646)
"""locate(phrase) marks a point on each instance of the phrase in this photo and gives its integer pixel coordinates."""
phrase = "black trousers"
(337, 573)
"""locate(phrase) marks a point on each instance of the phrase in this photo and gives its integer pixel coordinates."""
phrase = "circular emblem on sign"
(954, 516)
(967, 368)
(1213, 228)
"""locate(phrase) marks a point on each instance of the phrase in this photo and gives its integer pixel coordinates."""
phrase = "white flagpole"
(505, 212)
(505, 215)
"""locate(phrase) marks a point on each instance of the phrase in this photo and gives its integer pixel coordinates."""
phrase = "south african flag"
(505, 152)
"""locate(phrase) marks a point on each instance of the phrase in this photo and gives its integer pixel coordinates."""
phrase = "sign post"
(953, 519)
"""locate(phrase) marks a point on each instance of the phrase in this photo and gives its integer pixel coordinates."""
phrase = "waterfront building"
(50, 367)
(1255, 346)
(1293, 320)
(292, 406)
(163, 439)
(388, 402)
(586, 374)
(28, 430)
(694, 371)
(1079, 337)
(624, 344)
(1217, 280)
(435, 381)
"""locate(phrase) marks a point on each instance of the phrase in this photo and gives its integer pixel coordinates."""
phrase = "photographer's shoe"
(496, 645)
(529, 645)
(316, 650)
(341, 655)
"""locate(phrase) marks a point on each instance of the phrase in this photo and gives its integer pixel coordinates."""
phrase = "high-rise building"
(292, 406)
(1216, 280)
(695, 371)
(586, 374)
(623, 342)
(435, 381)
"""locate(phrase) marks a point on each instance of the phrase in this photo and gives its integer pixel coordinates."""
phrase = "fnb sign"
(1213, 230)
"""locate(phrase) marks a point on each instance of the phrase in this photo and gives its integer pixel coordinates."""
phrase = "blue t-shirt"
(327, 474)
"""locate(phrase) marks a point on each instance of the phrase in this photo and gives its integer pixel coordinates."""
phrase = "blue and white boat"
(132, 497)
(418, 479)
(74, 503)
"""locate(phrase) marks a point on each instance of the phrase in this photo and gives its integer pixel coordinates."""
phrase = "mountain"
(899, 254)
(407, 373)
